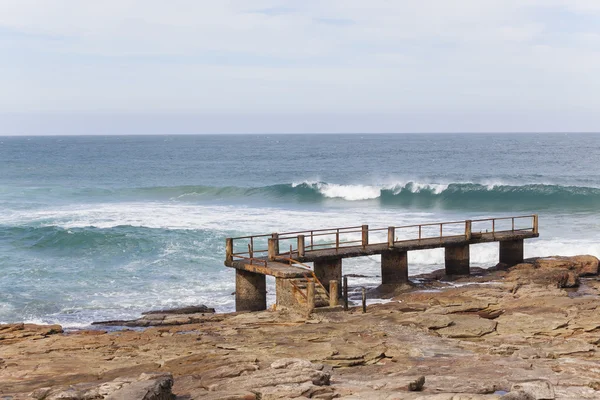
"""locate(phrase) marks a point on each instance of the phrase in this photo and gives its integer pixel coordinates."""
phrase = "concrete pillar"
(250, 291)
(511, 252)
(328, 270)
(310, 297)
(394, 267)
(284, 293)
(457, 260)
(334, 293)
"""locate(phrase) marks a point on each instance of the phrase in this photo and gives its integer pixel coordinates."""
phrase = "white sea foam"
(356, 192)
(349, 192)
(211, 284)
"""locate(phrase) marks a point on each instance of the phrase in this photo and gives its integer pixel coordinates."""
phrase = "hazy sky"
(193, 66)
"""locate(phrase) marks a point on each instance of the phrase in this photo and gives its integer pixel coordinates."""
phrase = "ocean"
(106, 227)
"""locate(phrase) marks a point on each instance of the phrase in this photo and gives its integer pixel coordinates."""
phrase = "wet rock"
(534, 390)
(156, 319)
(202, 309)
(417, 385)
(567, 279)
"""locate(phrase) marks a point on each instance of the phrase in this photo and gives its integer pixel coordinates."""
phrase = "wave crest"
(412, 193)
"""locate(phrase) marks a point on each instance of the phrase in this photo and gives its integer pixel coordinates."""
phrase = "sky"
(267, 66)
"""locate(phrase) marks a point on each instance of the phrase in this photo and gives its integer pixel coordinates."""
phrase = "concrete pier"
(511, 252)
(250, 291)
(394, 267)
(255, 256)
(328, 270)
(457, 260)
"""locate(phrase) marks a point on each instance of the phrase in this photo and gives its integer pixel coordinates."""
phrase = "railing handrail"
(364, 229)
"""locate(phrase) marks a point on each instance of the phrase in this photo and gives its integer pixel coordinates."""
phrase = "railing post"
(364, 300)
(419, 232)
(468, 224)
(310, 296)
(391, 236)
(275, 236)
(535, 224)
(229, 250)
(493, 226)
(365, 236)
(273, 248)
(513, 224)
(300, 245)
(333, 293)
(337, 240)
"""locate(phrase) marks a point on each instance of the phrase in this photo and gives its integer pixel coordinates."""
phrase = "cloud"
(277, 57)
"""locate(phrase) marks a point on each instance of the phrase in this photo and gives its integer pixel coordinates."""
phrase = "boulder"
(532, 390)
(584, 265)
(144, 387)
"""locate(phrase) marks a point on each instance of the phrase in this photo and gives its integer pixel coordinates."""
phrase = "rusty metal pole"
(272, 249)
(301, 245)
(275, 237)
(229, 250)
(468, 225)
(365, 235)
(391, 236)
(345, 293)
(364, 300)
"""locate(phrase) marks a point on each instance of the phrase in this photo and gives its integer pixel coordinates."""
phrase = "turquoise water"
(98, 228)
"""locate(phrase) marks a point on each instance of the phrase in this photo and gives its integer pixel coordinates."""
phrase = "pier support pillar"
(511, 252)
(394, 267)
(250, 291)
(329, 270)
(285, 293)
(457, 260)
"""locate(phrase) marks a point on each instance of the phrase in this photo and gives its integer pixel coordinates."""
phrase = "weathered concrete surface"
(329, 270)
(250, 291)
(511, 252)
(481, 337)
(457, 260)
(394, 267)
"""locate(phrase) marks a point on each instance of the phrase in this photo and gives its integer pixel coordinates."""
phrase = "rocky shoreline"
(531, 331)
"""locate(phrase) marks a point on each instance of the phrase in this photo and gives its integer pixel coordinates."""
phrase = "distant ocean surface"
(96, 228)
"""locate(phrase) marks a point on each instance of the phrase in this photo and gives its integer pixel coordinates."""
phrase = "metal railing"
(259, 248)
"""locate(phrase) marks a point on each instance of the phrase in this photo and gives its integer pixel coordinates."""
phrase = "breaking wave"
(413, 194)
(409, 194)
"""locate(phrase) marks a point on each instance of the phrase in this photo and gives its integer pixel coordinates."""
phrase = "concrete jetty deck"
(256, 256)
